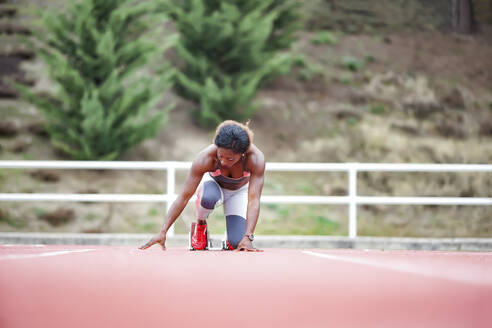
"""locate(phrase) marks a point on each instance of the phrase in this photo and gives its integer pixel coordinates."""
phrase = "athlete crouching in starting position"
(230, 172)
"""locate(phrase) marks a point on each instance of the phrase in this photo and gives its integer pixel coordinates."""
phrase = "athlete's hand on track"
(160, 238)
(246, 245)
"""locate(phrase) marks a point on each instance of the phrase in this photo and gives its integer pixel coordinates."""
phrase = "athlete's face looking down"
(227, 157)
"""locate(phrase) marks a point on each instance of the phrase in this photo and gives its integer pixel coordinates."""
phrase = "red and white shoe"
(226, 245)
(198, 236)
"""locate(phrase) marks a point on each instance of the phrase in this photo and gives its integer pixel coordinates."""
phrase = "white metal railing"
(352, 200)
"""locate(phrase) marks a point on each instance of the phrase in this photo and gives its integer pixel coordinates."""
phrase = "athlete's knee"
(210, 195)
(236, 228)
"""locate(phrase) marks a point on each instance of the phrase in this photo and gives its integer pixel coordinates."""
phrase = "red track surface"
(102, 286)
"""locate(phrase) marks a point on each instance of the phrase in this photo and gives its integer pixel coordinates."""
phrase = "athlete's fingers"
(248, 249)
(148, 244)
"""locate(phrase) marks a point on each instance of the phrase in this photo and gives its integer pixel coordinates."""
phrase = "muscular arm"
(201, 165)
(254, 192)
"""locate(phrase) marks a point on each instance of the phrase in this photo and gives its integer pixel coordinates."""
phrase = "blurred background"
(383, 81)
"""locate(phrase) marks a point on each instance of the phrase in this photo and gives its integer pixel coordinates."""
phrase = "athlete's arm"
(257, 178)
(203, 163)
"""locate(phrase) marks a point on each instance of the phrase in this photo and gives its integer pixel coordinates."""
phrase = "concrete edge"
(302, 242)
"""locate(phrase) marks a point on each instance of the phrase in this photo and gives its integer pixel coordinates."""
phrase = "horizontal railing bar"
(305, 199)
(403, 167)
(278, 166)
(306, 167)
(91, 165)
(388, 167)
(376, 200)
(264, 199)
(423, 200)
(85, 197)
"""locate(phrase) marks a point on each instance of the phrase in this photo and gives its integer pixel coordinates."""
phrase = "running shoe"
(199, 236)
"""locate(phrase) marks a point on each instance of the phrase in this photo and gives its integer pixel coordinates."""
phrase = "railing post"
(352, 200)
(171, 170)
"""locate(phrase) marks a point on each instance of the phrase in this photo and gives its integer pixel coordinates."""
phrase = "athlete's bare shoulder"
(256, 160)
(206, 160)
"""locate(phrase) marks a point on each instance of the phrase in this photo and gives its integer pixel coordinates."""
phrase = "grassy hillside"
(402, 96)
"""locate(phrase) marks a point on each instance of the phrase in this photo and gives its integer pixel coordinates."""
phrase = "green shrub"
(153, 212)
(324, 37)
(352, 121)
(307, 69)
(370, 58)
(352, 63)
(95, 52)
(8, 219)
(228, 49)
(378, 109)
(300, 60)
(324, 225)
(347, 79)
(148, 227)
(311, 71)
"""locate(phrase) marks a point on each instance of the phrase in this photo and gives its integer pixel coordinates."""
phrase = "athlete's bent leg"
(236, 228)
(235, 208)
(209, 195)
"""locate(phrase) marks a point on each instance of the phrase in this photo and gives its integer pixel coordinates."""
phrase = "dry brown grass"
(421, 98)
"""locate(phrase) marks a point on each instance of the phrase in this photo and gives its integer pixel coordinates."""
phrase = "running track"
(103, 286)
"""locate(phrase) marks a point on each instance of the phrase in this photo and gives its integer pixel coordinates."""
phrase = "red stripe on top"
(217, 172)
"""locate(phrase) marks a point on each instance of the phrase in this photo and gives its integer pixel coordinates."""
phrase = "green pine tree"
(229, 48)
(98, 54)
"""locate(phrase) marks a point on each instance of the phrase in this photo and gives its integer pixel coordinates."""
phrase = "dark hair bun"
(233, 136)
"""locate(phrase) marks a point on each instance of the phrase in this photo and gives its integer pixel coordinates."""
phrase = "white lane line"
(460, 274)
(22, 245)
(31, 256)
